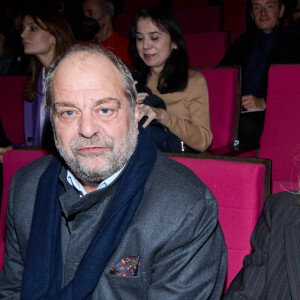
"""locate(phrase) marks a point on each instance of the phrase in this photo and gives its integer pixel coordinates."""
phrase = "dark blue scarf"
(43, 269)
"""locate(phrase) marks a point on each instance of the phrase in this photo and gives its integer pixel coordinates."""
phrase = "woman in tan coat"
(161, 63)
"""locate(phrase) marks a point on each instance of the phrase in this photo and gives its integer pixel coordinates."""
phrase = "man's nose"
(88, 125)
(263, 11)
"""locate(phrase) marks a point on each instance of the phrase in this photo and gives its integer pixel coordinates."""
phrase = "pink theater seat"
(240, 203)
(12, 107)
(238, 187)
(235, 15)
(206, 49)
(189, 3)
(12, 161)
(280, 140)
(135, 5)
(199, 19)
(224, 105)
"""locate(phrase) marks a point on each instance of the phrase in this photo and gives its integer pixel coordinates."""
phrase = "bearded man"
(111, 218)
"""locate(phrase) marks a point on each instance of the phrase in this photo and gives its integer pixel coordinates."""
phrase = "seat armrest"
(232, 150)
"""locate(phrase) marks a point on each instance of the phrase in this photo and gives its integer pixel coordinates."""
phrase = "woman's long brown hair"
(53, 22)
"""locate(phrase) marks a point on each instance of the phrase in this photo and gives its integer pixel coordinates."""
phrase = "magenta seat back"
(199, 19)
(189, 3)
(122, 23)
(12, 161)
(280, 140)
(135, 5)
(12, 107)
(223, 88)
(206, 49)
(235, 14)
(238, 188)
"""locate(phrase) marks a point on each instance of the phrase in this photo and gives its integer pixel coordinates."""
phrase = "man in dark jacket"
(112, 218)
(266, 42)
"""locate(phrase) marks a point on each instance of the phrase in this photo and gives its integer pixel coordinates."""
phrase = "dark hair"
(174, 76)
(53, 22)
(249, 4)
(4, 29)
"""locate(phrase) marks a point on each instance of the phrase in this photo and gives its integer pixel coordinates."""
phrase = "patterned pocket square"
(128, 266)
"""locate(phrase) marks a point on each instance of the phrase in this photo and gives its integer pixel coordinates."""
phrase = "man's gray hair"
(129, 88)
(107, 7)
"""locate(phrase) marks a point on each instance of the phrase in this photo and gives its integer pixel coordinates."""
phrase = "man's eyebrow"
(96, 102)
(106, 100)
(64, 103)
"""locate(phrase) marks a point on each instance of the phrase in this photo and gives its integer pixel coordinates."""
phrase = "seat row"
(194, 13)
(205, 49)
(240, 202)
(240, 184)
(280, 138)
(192, 19)
(223, 85)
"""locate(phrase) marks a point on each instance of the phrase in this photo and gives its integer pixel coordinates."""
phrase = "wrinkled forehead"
(87, 60)
(85, 66)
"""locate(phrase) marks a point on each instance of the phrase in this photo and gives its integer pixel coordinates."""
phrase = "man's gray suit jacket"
(272, 271)
(175, 232)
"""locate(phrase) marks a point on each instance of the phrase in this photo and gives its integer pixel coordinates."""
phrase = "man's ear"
(136, 116)
(281, 10)
(105, 20)
(251, 14)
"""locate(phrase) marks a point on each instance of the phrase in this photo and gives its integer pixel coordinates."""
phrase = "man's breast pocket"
(127, 267)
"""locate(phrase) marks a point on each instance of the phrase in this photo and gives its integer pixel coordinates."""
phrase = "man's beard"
(113, 158)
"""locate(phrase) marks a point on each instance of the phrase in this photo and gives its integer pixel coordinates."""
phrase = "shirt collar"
(78, 186)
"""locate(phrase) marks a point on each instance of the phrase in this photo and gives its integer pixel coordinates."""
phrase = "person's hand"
(250, 102)
(2, 150)
(141, 97)
(149, 112)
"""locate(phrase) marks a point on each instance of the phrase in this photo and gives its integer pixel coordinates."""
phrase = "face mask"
(90, 27)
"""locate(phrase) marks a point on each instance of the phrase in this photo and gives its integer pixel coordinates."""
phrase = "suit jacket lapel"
(292, 249)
